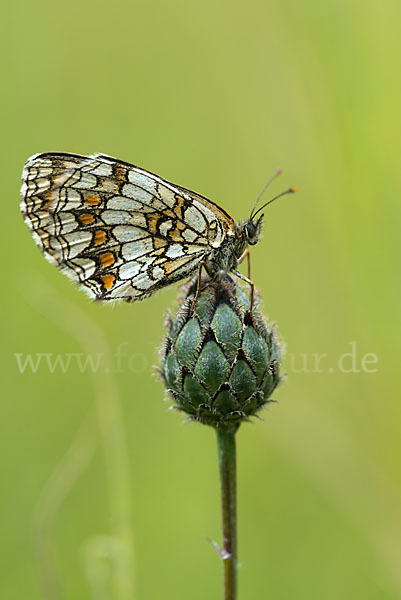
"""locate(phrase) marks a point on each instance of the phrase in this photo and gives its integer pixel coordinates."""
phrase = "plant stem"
(227, 466)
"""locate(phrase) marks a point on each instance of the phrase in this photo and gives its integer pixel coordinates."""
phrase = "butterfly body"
(122, 232)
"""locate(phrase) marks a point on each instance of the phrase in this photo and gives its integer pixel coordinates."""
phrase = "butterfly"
(122, 232)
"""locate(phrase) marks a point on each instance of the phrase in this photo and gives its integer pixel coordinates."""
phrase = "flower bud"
(219, 361)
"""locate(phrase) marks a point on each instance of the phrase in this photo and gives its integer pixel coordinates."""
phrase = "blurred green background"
(105, 494)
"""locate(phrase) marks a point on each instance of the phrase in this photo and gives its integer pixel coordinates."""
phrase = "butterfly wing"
(116, 229)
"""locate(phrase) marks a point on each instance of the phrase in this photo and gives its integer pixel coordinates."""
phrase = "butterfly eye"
(250, 229)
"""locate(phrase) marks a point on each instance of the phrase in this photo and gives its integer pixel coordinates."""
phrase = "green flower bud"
(219, 361)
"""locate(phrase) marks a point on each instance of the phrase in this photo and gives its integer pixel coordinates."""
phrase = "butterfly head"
(252, 230)
(253, 227)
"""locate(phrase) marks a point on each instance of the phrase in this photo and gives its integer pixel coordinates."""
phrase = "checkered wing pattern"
(116, 229)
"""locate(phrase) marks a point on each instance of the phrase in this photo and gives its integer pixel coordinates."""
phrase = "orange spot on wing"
(100, 237)
(92, 199)
(120, 172)
(175, 235)
(152, 222)
(174, 265)
(106, 259)
(108, 281)
(169, 267)
(158, 243)
(178, 206)
(86, 219)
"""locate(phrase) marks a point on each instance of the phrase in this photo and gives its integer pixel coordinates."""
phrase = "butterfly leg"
(204, 265)
(252, 285)
(246, 255)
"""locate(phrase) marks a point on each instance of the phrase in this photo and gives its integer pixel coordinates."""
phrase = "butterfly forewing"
(118, 230)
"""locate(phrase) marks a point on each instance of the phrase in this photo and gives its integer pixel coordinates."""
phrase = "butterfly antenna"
(290, 191)
(276, 174)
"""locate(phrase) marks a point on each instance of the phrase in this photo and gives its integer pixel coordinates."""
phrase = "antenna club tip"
(293, 190)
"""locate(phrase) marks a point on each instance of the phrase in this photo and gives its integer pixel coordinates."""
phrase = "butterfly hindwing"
(118, 230)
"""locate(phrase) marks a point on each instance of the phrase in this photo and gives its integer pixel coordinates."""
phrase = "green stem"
(227, 466)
